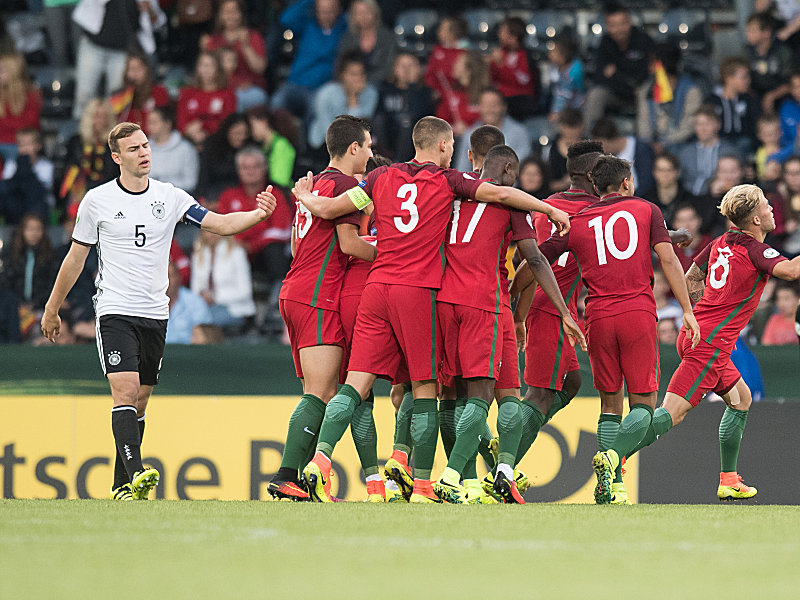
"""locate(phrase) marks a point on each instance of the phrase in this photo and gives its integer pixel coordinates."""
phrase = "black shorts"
(131, 344)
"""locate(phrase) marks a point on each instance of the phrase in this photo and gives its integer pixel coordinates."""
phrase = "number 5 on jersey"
(141, 238)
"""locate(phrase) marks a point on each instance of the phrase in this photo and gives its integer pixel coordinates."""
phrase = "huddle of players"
(418, 320)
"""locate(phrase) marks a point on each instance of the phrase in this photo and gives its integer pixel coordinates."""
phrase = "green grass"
(100, 549)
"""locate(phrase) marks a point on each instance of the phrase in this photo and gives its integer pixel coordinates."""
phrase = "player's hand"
(560, 219)
(574, 333)
(692, 328)
(681, 238)
(521, 331)
(266, 202)
(304, 185)
(51, 325)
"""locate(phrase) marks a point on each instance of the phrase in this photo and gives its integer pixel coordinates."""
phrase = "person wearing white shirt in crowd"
(175, 159)
(186, 310)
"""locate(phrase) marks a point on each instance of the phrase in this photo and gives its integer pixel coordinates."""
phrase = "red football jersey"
(412, 206)
(611, 240)
(315, 277)
(737, 268)
(565, 269)
(477, 240)
(209, 107)
(355, 276)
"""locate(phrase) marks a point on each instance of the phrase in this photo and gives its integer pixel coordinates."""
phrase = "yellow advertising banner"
(228, 448)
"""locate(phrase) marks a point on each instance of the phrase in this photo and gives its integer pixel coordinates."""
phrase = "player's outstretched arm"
(514, 198)
(67, 276)
(680, 237)
(353, 244)
(329, 208)
(540, 267)
(673, 271)
(695, 283)
(788, 269)
(237, 222)
(523, 285)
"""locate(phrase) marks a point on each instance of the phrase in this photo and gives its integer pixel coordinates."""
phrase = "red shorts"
(624, 346)
(702, 369)
(394, 322)
(548, 354)
(471, 340)
(309, 326)
(508, 379)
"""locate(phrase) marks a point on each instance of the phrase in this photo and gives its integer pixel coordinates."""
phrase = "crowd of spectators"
(228, 112)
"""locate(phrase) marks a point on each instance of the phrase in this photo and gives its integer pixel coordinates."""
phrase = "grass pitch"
(167, 549)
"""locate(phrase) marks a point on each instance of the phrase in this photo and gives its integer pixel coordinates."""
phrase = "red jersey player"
(309, 297)
(611, 241)
(397, 314)
(726, 279)
(469, 307)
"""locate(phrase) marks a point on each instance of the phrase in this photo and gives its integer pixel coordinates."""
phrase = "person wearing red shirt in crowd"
(459, 104)
(178, 257)
(309, 297)
(231, 31)
(450, 36)
(726, 281)
(511, 72)
(611, 240)
(267, 244)
(206, 102)
(413, 204)
(780, 330)
(20, 103)
(139, 95)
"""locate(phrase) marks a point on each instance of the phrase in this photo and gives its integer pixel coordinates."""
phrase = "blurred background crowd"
(237, 94)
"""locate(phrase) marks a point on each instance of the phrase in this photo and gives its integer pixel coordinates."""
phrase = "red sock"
(323, 462)
(400, 457)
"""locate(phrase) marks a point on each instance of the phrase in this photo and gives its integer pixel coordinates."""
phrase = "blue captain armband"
(195, 215)
(358, 197)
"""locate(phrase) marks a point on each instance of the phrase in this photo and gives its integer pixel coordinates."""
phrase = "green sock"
(307, 416)
(559, 402)
(447, 424)
(338, 415)
(365, 436)
(467, 432)
(402, 425)
(509, 429)
(532, 422)
(470, 470)
(607, 429)
(631, 431)
(661, 424)
(731, 428)
(425, 433)
(483, 445)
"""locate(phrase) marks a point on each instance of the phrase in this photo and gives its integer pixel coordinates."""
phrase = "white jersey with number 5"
(133, 233)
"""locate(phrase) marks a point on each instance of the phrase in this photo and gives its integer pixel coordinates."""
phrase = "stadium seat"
(416, 30)
(544, 25)
(482, 26)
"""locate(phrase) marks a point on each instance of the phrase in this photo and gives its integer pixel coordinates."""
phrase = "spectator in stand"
(768, 132)
(666, 105)
(29, 270)
(451, 43)
(62, 32)
(9, 318)
(770, 60)
(459, 104)
(349, 94)
(511, 73)
(266, 244)
(534, 178)
(29, 143)
(111, 28)
(318, 27)
(570, 131)
(492, 108)
(139, 94)
(218, 159)
(186, 310)
(174, 159)
(231, 31)
(204, 103)
(789, 201)
(687, 217)
(179, 258)
(565, 75)
(278, 150)
(667, 308)
(699, 158)
(788, 14)
(221, 276)
(737, 108)
(789, 114)
(369, 39)
(780, 329)
(729, 173)
(668, 192)
(88, 160)
(667, 332)
(402, 101)
(637, 152)
(22, 193)
(20, 102)
(622, 65)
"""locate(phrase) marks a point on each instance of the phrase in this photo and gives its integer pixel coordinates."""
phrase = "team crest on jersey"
(114, 358)
(158, 209)
(771, 253)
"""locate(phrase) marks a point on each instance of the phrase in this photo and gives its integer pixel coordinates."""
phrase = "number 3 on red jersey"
(604, 236)
(407, 193)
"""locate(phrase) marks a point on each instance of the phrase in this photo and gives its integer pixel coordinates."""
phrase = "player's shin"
(532, 422)
(338, 415)
(560, 401)
(127, 438)
(447, 424)
(631, 431)
(425, 434)
(607, 430)
(402, 426)
(731, 428)
(467, 431)
(509, 429)
(304, 424)
(365, 436)
(661, 424)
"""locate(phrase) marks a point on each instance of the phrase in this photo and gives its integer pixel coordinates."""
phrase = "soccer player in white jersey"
(131, 221)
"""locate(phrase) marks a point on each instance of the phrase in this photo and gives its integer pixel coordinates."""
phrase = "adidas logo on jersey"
(119, 215)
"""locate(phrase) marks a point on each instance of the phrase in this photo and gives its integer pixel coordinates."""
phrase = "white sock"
(375, 477)
(506, 470)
